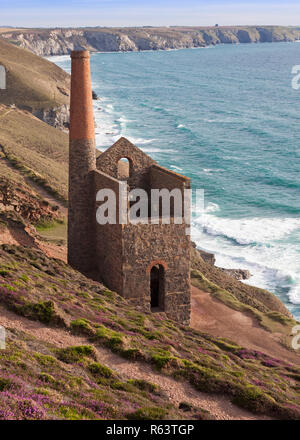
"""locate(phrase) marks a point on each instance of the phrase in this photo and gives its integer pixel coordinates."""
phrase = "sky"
(73, 13)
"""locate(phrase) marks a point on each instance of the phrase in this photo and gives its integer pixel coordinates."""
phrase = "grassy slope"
(32, 150)
(64, 383)
(32, 82)
(259, 299)
(267, 310)
(35, 149)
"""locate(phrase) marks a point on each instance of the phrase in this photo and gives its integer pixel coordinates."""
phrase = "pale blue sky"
(32, 13)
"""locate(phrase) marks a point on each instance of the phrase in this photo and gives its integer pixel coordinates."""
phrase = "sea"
(228, 117)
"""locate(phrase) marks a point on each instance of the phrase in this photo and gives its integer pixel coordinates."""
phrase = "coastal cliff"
(75, 350)
(46, 42)
(46, 97)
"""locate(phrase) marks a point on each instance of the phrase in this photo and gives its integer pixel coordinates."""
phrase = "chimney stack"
(82, 161)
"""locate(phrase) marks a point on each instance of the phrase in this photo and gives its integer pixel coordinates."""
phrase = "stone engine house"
(146, 263)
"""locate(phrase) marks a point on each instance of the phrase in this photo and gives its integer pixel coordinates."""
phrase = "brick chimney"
(82, 161)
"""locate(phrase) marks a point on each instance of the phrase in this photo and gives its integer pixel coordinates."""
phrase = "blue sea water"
(228, 117)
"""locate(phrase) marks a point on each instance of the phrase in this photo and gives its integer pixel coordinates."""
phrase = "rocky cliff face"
(58, 117)
(63, 41)
(47, 96)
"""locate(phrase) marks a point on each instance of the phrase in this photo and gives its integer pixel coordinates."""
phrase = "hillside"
(37, 150)
(87, 354)
(76, 350)
(35, 84)
(46, 42)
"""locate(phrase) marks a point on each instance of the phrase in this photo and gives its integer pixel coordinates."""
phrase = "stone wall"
(139, 163)
(165, 244)
(108, 239)
(126, 253)
(161, 178)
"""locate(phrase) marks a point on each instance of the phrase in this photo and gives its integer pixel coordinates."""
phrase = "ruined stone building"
(148, 264)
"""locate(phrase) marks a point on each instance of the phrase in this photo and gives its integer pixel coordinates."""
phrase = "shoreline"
(208, 46)
(114, 127)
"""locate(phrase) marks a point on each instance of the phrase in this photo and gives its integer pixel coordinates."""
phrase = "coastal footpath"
(61, 41)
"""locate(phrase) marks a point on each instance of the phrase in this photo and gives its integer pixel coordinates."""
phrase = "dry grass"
(32, 82)
(37, 150)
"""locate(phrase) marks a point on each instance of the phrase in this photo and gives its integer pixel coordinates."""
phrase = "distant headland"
(61, 41)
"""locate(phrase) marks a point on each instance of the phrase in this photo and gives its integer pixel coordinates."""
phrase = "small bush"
(133, 354)
(224, 345)
(151, 413)
(47, 378)
(45, 360)
(75, 354)
(81, 326)
(4, 384)
(99, 370)
(143, 385)
(184, 406)
(110, 338)
(41, 311)
(162, 359)
(253, 399)
(123, 386)
(4, 272)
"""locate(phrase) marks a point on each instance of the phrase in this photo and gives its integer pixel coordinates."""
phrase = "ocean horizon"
(227, 117)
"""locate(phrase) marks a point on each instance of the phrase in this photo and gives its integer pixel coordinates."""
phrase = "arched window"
(124, 169)
(157, 287)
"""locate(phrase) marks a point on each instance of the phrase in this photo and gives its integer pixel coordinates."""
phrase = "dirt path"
(6, 113)
(45, 195)
(177, 392)
(211, 316)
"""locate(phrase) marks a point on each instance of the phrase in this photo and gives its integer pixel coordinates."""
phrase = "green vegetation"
(270, 320)
(144, 385)
(109, 337)
(53, 231)
(74, 354)
(56, 393)
(73, 375)
(41, 311)
(153, 413)
(99, 370)
(81, 326)
(32, 152)
(257, 298)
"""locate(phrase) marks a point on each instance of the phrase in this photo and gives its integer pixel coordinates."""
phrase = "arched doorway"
(157, 287)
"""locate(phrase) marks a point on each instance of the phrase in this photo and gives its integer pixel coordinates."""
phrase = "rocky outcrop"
(48, 42)
(25, 203)
(238, 274)
(58, 117)
(206, 256)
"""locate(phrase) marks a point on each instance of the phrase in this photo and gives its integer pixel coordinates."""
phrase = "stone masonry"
(148, 264)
